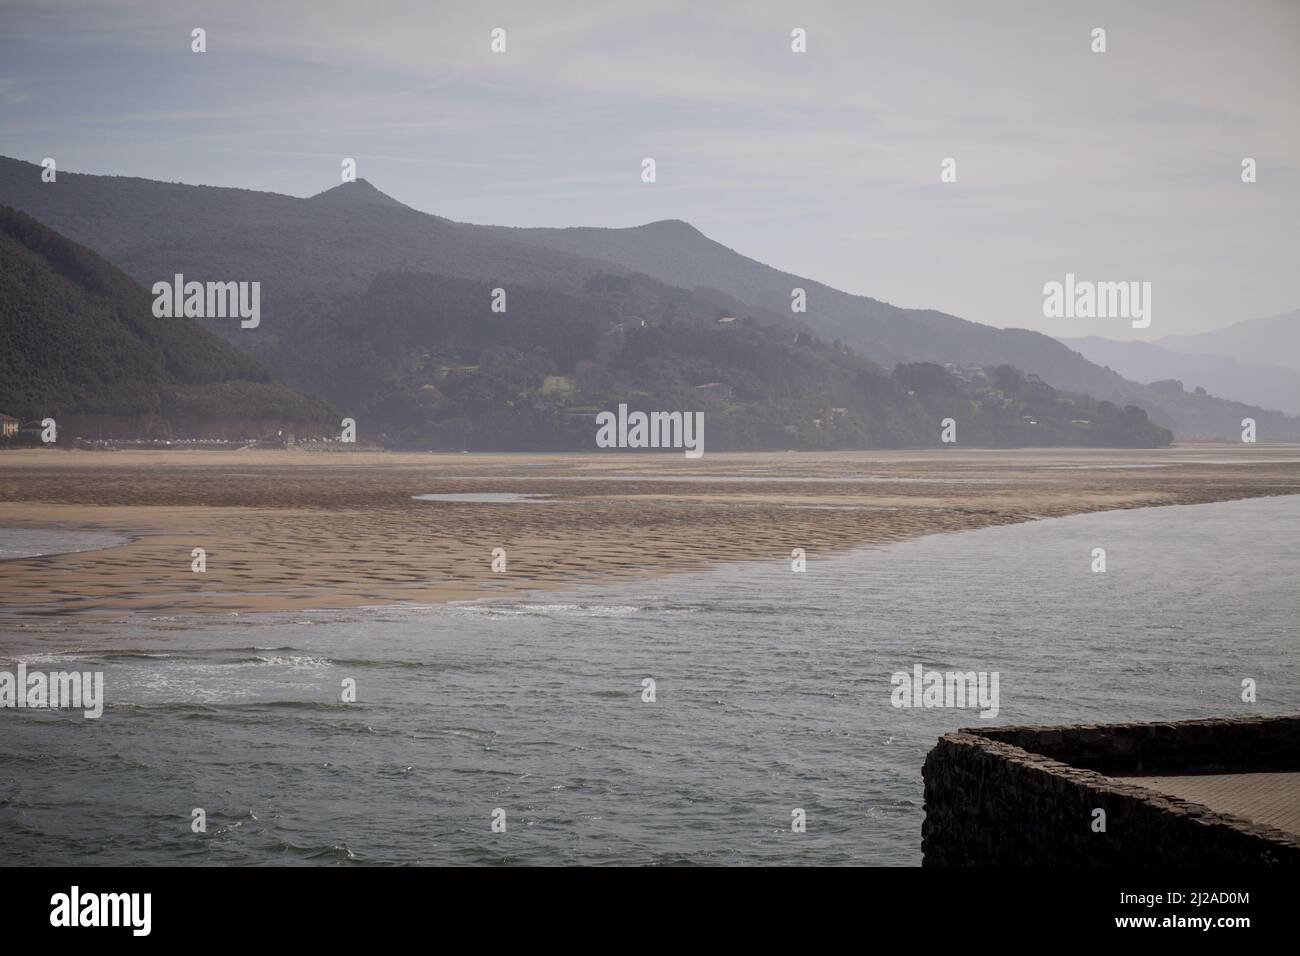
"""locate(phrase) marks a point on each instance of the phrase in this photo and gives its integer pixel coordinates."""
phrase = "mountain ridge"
(1273, 339)
(308, 251)
(1264, 384)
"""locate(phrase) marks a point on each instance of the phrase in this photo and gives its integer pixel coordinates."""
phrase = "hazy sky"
(1124, 165)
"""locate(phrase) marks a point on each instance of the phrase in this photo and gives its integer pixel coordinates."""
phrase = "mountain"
(79, 343)
(303, 251)
(678, 253)
(421, 360)
(308, 253)
(1263, 384)
(1272, 341)
(357, 193)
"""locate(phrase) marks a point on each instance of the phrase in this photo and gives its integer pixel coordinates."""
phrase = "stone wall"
(1025, 796)
(1223, 744)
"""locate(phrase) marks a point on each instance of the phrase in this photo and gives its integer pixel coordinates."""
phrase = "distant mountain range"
(1269, 384)
(79, 343)
(1272, 341)
(311, 254)
(421, 360)
(675, 252)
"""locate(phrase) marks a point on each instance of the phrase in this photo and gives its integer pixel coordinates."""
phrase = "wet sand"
(297, 529)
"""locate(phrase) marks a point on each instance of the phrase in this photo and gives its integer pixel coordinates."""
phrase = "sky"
(1115, 166)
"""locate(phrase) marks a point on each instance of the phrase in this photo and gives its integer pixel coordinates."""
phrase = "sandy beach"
(295, 529)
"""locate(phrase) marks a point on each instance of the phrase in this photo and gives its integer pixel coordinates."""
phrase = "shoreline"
(285, 531)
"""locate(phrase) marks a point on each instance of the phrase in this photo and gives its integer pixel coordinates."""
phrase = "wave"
(224, 657)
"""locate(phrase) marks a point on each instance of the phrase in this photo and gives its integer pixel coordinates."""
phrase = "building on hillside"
(8, 426)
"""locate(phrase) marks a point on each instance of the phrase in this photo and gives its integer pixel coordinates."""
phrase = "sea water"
(772, 694)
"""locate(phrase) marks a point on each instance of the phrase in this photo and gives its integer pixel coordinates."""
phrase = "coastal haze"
(438, 417)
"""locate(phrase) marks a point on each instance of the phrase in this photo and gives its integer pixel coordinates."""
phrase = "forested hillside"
(79, 343)
(422, 360)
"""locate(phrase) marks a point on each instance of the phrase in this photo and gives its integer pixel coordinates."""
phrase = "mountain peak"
(676, 227)
(357, 193)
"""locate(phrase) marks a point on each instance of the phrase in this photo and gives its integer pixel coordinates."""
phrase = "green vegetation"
(79, 343)
(424, 362)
